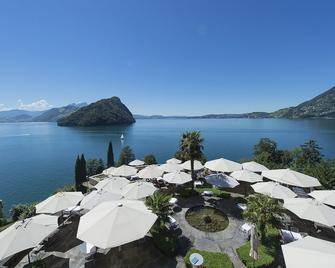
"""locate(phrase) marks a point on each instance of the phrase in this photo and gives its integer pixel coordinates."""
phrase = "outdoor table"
(242, 206)
(246, 227)
(196, 260)
(207, 193)
(173, 201)
(198, 183)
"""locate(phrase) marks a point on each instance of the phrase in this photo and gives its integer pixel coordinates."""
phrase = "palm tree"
(158, 203)
(191, 146)
(263, 212)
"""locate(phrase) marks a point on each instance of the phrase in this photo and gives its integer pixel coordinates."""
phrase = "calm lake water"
(36, 158)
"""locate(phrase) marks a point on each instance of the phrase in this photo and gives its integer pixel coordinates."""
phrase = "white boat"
(122, 137)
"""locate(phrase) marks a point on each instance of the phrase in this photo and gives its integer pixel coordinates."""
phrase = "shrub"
(211, 259)
(22, 211)
(66, 188)
(150, 159)
(165, 240)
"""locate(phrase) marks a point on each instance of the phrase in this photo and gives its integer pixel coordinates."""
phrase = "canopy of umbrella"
(150, 172)
(136, 163)
(177, 177)
(59, 202)
(170, 167)
(112, 184)
(95, 198)
(254, 166)
(138, 190)
(187, 165)
(221, 180)
(173, 161)
(324, 196)
(108, 171)
(291, 177)
(115, 223)
(309, 252)
(312, 210)
(223, 165)
(26, 234)
(273, 189)
(246, 176)
(124, 171)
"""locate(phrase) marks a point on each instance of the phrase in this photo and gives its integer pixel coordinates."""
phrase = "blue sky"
(166, 57)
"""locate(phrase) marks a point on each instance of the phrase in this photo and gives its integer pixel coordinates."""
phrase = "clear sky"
(171, 57)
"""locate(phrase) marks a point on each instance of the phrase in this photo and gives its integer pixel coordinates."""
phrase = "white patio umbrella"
(221, 180)
(187, 165)
(273, 189)
(324, 196)
(247, 176)
(291, 177)
(170, 167)
(309, 252)
(177, 177)
(136, 163)
(59, 202)
(223, 165)
(94, 198)
(124, 171)
(108, 171)
(254, 166)
(312, 210)
(138, 190)
(150, 172)
(112, 184)
(113, 224)
(173, 161)
(26, 234)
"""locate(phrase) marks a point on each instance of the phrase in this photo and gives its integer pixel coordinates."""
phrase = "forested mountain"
(103, 112)
(54, 114)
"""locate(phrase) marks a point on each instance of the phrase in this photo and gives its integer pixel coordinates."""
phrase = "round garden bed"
(207, 219)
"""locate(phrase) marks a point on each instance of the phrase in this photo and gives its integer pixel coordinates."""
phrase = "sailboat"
(122, 137)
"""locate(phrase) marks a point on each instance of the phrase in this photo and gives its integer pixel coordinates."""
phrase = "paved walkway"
(224, 241)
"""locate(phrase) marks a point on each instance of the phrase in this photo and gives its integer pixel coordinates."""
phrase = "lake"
(37, 158)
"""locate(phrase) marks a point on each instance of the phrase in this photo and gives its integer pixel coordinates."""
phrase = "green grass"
(211, 259)
(267, 251)
(207, 219)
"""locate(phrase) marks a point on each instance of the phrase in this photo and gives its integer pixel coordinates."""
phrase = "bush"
(39, 264)
(65, 188)
(150, 159)
(94, 166)
(22, 211)
(187, 192)
(267, 251)
(165, 240)
(211, 259)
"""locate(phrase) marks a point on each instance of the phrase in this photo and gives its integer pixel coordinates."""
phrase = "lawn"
(211, 259)
(267, 251)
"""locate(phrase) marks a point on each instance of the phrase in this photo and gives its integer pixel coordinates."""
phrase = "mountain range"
(112, 111)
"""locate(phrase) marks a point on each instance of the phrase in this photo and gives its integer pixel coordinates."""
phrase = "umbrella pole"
(29, 258)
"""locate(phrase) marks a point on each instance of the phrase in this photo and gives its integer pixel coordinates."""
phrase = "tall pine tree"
(110, 156)
(77, 174)
(83, 172)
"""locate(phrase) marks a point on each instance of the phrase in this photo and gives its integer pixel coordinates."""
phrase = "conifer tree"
(77, 173)
(110, 156)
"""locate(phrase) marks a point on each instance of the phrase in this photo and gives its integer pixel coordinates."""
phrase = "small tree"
(22, 211)
(150, 159)
(2, 216)
(77, 174)
(110, 156)
(83, 170)
(191, 148)
(126, 156)
(158, 203)
(94, 166)
(263, 212)
(309, 154)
